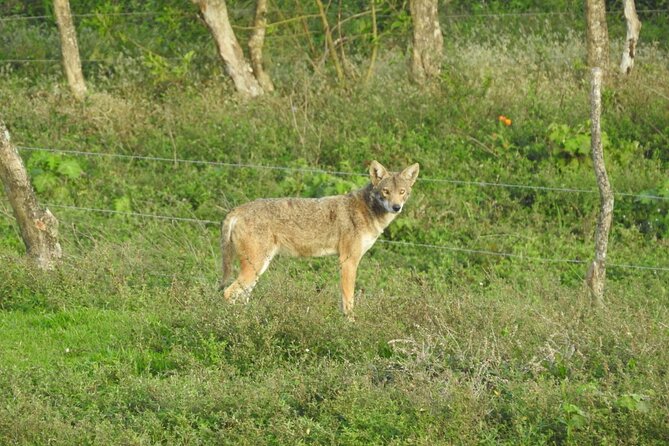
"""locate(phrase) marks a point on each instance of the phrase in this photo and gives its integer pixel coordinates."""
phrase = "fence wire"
(331, 172)
(347, 14)
(521, 257)
(323, 171)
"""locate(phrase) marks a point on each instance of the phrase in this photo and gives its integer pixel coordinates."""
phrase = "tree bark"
(632, 38)
(69, 48)
(597, 34)
(215, 14)
(39, 228)
(597, 272)
(428, 41)
(256, 43)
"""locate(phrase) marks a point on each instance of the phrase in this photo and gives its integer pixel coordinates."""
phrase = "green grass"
(129, 341)
(505, 362)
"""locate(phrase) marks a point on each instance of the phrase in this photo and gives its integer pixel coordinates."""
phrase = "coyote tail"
(227, 248)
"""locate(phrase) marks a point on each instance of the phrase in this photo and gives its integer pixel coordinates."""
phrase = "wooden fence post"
(39, 228)
(69, 48)
(597, 34)
(428, 40)
(632, 38)
(597, 272)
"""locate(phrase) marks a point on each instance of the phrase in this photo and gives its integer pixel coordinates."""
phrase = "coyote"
(347, 225)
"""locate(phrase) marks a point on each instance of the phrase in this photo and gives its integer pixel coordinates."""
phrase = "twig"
(375, 44)
(330, 42)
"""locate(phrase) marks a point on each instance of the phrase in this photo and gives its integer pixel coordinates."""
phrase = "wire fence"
(471, 251)
(334, 172)
(476, 183)
(345, 15)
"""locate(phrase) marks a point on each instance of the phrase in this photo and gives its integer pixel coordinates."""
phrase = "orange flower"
(504, 120)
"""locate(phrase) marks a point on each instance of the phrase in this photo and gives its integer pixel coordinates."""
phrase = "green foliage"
(570, 145)
(164, 71)
(574, 417)
(633, 402)
(54, 175)
(652, 212)
(319, 184)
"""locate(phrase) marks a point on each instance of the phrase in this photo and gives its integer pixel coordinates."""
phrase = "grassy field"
(129, 341)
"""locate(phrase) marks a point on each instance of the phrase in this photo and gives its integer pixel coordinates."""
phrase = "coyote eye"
(402, 191)
(386, 192)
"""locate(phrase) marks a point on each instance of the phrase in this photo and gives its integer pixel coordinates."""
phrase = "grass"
(129, 342)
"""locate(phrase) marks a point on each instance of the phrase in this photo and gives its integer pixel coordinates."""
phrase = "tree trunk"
(375, 42)
(39, 228)
(633, 29)
(215, 14)
(597, 272)
(597, 34)
(329, 42)
(70, 48)
(428, 42)
(256, 43)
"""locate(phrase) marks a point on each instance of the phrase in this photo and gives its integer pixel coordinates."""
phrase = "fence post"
(597, 272)
(39, 228)
(427, 40)
(69, 48)
(632, 38)
(597, 34)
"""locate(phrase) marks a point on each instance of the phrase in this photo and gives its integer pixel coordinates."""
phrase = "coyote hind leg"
(251, 268)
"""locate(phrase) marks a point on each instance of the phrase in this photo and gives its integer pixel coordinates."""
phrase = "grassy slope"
(129, 343)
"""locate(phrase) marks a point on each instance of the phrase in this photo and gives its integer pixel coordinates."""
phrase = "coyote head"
(391, 190)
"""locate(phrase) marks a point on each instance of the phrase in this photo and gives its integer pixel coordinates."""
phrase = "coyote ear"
(377, 172)
(411, 173)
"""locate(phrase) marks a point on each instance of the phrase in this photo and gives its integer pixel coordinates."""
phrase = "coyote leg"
(251, 268)
(349, 268)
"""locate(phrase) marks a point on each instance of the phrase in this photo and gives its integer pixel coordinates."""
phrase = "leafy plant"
(574, 418)
(319, 184)
(54, 174)
(572, 145)
(633, 402)
(652, 212)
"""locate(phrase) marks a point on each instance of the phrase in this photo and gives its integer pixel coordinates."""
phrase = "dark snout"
(397, 207)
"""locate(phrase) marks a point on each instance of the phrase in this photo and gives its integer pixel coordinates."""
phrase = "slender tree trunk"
(375, 43)
(632, 38)
(597, 272)
(330, 42)
(428, 42)
(39, 228)
(256, 43)
(69, 48)
(215, 14)
(597, 34)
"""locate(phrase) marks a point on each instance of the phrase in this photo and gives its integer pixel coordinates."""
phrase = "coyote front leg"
(349, 268)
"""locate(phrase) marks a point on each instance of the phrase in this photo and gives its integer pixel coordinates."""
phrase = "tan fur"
(347, 225)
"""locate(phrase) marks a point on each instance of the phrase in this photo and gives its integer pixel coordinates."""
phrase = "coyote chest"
(367, 241)
(347, 225)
